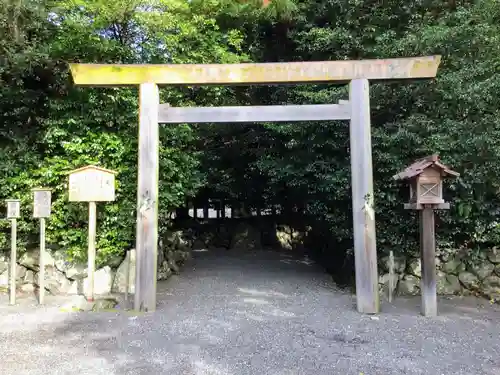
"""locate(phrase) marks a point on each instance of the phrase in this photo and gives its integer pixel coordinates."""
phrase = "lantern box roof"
(420, 165)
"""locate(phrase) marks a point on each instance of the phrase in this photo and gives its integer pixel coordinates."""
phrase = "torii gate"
(357, 73)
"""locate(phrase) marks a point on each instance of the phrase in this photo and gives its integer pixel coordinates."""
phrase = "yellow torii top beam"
(247, 74)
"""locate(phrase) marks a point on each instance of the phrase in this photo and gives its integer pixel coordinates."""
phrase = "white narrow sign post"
(42, 202)
(91, 252)
(13, 213)
(91, 184)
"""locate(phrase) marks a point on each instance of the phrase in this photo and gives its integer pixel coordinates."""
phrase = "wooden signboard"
(13, 208)
(92, 184)
(41, 203)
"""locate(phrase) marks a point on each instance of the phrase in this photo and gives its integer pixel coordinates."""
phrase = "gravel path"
(258, 314)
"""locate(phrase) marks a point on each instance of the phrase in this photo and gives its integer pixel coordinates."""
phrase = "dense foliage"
(48, 127)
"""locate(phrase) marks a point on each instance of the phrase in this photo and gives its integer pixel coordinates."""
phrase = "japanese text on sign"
(91, 184)
(42, 203)
(13, 208)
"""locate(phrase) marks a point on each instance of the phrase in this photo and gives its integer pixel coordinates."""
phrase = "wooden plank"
(263, 73)
(91, 250)
(428, 262)
(41, 263)
(365, 247)
(268, 113)
(91, 184)
(147, 199)
(13, 260)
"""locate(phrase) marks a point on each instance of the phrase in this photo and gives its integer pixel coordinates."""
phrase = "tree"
(63, 127)
(455, 115)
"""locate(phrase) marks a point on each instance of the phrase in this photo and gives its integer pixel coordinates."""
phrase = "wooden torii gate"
(357, 109)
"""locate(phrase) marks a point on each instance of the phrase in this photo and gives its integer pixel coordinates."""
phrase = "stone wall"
(174, 248)
(63, 277)
(240, 234)
(457, 274)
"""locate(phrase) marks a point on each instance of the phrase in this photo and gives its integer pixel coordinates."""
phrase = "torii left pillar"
(147, 199)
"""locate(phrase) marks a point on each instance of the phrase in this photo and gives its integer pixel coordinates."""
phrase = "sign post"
(127, 276)
(91, 184)
(41, 210)
(13, 212)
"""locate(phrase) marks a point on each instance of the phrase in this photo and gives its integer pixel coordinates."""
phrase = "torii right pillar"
(363, 214)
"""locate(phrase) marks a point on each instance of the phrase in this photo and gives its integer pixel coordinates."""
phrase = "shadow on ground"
(259, 313)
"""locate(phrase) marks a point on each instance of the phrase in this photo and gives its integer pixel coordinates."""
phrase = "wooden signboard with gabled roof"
(426, 182)
(92, 184)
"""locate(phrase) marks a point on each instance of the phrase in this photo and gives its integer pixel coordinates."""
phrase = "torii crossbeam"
(357, 109)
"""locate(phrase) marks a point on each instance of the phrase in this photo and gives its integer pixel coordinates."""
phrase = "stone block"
(119, 282)
(447, 284)
(491, 287)
(410, 285)
(399, 264)
(469, 280)
(483, 269)
(31, 259)
(494, 255)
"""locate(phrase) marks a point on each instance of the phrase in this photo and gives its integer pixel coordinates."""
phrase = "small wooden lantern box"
(426, 182)
(426, 195)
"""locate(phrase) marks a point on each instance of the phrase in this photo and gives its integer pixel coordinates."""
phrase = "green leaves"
(48, 127)
(307, 165)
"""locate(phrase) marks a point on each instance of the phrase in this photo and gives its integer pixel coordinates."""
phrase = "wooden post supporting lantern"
(91, 184)
(41, 209)
(13, 213)
(426, 195)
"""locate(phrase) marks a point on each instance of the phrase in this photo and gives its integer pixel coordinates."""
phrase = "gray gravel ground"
(262, 314)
